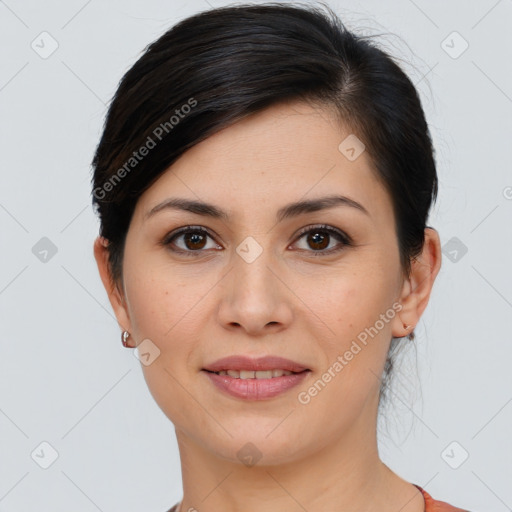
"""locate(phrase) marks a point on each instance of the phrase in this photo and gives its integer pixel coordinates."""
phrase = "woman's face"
(260, 283)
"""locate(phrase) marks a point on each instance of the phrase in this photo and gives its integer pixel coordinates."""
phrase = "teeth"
(251, 374)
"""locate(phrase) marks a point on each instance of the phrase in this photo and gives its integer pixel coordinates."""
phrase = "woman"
(263, 183)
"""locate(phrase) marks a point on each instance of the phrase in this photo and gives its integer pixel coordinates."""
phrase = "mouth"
(256, 374)
(261, 378)
(255, 385)
(243, 365)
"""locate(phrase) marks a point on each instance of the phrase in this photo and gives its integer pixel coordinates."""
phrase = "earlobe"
(115, 295)
(418, 285)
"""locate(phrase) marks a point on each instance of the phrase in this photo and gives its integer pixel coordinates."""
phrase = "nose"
(254, 295)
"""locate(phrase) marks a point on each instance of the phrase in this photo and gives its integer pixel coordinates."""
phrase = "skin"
(196, 309)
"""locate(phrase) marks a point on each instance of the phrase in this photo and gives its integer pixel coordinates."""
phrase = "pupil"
(194, 239)
(317, 239)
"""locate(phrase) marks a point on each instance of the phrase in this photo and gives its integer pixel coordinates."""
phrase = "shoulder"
(432, 505)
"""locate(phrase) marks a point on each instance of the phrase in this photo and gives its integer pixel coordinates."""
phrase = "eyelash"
(340, 235)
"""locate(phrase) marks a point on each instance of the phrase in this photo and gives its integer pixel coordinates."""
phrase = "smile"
(255, 385)
(248, 374)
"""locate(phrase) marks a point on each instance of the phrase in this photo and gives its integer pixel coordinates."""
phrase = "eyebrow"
(286, 212)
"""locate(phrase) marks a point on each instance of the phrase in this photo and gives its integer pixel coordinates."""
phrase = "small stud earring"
(124, 338)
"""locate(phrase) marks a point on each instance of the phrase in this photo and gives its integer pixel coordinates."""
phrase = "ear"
(418, 285)
(115, 294)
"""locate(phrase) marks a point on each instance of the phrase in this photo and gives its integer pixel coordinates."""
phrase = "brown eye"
(194, 240)
(319, 238)
(189, 240)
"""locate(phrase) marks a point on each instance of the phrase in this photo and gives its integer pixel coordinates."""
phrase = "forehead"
(285, 153)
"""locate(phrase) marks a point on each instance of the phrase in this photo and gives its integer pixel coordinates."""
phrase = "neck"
(346, 472)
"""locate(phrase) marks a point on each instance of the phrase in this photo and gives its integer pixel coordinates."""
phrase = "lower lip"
(256, 389)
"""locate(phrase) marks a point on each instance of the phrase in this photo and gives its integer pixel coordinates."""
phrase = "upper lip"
(240, 362)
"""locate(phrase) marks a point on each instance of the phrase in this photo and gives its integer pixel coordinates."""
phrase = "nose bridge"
(254, 296)
(252, 263)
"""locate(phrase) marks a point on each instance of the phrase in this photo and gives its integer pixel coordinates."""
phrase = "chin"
(256, 447)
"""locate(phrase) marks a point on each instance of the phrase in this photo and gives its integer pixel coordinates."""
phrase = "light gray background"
(66, 379)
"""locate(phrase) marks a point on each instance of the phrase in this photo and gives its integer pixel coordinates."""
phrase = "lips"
(266, 363)
(259, 387)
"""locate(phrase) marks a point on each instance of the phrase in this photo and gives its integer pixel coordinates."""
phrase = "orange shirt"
(431, 505)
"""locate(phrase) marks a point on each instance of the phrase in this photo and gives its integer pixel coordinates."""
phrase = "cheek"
(167, 305)
(166, 309)
(359, 308)
(357, 300)
(160, 298)
(150, 304)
